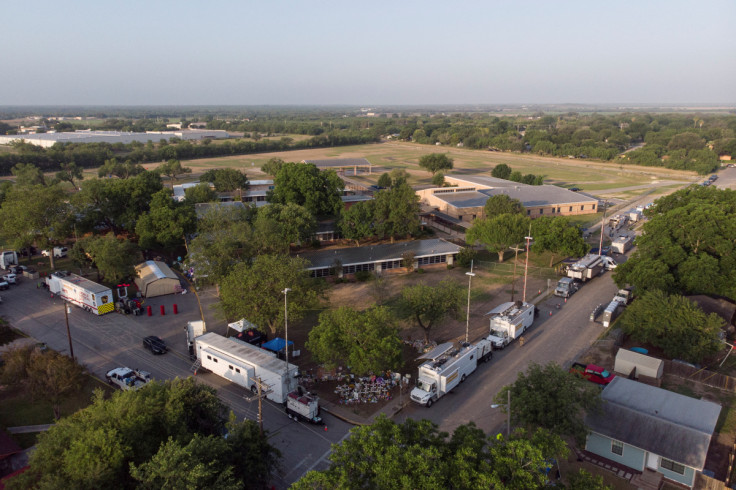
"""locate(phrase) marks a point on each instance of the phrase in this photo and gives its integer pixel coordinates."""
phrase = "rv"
(586, 268)
(622, 244)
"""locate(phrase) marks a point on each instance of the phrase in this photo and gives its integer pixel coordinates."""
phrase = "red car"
(593, 373)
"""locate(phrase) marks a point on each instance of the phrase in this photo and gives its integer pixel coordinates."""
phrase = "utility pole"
(526, 264)
(603, 229)
(259, 394)
(513, 277)
(467, 316)
(286, 336)
(68, 332)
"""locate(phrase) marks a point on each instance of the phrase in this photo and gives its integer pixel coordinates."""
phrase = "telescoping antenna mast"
(526, 262)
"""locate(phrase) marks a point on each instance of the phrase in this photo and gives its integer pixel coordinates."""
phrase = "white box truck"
(243, 363)
(447, 366)
(622, 244)
(301, 405)
(611, 312)
(508, 321)
(82, 292)
(8, 258)
(194, 330)
(586, 268)
(634, 215)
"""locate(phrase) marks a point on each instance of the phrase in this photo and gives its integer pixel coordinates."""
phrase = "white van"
(59, 252)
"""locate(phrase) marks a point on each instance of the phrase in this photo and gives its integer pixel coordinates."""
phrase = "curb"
(344, 419)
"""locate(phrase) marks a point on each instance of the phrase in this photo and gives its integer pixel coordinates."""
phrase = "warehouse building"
(467, 196)
(48, 140)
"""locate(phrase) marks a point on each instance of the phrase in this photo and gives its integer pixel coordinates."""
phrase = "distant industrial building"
(466, 197)
(47, 140)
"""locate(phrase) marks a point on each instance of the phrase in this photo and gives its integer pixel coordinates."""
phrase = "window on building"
(231, 368)
(435, 259)
(215, 359)
(528, 212)
(617, 447)
(391, 264)
(541, 211)
(558, 210)
(672, 466)
(473, 216)
(582, 207)
(460, 217)
(209, 357)
(570, 208)
(237, 370)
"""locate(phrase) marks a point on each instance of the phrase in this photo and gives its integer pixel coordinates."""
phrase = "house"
(652, 430)
(381, 258)
(467, 195)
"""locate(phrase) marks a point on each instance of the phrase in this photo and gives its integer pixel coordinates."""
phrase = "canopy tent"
(276, 345)
(156, 279)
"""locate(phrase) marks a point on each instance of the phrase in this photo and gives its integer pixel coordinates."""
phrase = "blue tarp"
(276, 345)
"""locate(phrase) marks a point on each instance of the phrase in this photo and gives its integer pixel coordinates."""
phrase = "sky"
(404, 52)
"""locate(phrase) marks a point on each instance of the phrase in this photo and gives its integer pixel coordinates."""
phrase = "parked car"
(155, 345)
(59, 252)
(575, 189)
(10, 278)
(4, 285)
(592, 373)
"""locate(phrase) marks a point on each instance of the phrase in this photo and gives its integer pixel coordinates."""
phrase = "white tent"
(627, 360)
(156, 279)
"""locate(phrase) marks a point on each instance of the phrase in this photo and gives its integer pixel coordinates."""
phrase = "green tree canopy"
(292, 223)
(304, 184)
(497, 234)
(384, 180)
(434, 162)
(687, 245)
(367, 341)
(674, 324)
(551, 398)
(172, 168)
(166, 223)
(166, 435)
(272, 166)
(416, 455)
(357, 222)
(201, 192)
(114, 258)
(429, 305)
(396, 211)
(438, 179)
(256, 292)
(28, 174)
(501, 171)
(559, 236)
(121, 170)
(225, 179)
(503, 204)
(70, 172)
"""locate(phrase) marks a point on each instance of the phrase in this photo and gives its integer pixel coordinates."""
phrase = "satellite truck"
(509, 321)
(586, 268)
(82, 292)
(447, 366)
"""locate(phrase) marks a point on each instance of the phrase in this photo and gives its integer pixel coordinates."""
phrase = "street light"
(67, 310)
(467, 317)
(508, 413)
(286, 335)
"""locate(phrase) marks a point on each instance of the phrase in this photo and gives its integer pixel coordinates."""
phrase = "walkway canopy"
(156, 279)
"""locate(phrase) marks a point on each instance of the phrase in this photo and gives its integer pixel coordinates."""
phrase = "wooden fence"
(709, 378)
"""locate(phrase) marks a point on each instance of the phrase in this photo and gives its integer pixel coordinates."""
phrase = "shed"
(627, 361)
(156, 279)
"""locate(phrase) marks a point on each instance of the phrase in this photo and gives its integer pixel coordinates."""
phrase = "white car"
(10, 278)
(59, 252)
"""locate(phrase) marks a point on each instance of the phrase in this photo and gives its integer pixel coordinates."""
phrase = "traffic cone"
(325, 428)
(565, 300)
(550, 313)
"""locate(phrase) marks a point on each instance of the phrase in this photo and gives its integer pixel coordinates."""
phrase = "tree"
(166, 223)
(398, 175)
(551, 398)
(36, 214)
(172, 168)
(163, 436)
(356, 222)
(687, 245)
(429, 305)
(225, 179)
(438, 179)
(557, 235)
(396, 211)
(121, 170)
(200, 193)
(256, 292)
(293, 223)
(367, 341)
(115, 259)
(674, 324)
(501, 171)
(416, 455)
(582, 480)
(70, 172)
(304, 184)
(272, 166)
(27, 174)
(515, 176)
(434, 162)
(502, 204)
(46, 375)
(384, 180)
(499, 233)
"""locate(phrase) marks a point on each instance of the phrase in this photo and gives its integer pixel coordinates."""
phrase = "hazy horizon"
(674, 53)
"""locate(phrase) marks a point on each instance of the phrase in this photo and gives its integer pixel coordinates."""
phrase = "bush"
(420, 271)
(465, 257)
(450, 266)
(363, 276)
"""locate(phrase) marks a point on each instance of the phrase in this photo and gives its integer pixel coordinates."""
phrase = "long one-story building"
(467, 196)
(381, 258)
(342, 165)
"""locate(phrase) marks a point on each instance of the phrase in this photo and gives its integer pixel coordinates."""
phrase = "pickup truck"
(127, 379)
(593, 373)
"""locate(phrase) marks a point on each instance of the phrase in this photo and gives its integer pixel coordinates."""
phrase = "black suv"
(155, 345)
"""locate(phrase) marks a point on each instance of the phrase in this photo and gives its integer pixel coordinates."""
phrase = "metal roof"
(82, 282)
(529, 195)
(379, 253)
(437, 351)
(665, 423)
(244, 352)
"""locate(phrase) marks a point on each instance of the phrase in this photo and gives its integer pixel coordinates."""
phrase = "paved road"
(562, 338)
